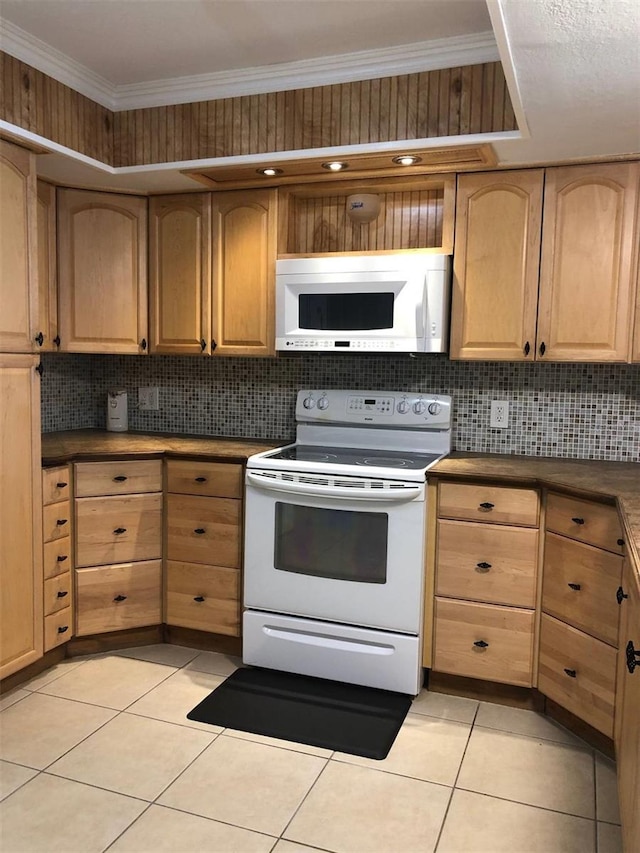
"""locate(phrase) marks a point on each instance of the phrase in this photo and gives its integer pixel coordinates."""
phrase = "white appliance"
(363, 303)
(334, 538)
(117, 410)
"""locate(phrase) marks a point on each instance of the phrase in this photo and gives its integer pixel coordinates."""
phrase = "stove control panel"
(410, 410)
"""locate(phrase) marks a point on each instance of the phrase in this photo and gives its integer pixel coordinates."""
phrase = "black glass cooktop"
(355, 456)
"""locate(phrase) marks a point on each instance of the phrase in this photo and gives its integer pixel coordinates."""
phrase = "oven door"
(333, 553)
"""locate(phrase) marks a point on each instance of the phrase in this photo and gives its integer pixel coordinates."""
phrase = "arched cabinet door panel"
(102, 263)
(588, 252)
(495, 266)
(244, 255)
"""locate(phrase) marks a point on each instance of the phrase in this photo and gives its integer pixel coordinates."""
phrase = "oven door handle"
(406, 493)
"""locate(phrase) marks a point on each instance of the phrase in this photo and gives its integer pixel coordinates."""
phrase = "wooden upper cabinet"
(244, 255)
(180, 273)
(495, 265)
(18, 264)
(635, 352)
(586, 295)
(47, 272)
(20, 514)
(102, 265)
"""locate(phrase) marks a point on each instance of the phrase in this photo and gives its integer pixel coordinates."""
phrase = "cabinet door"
(18, 268)
(635, 353)
(586, 297)
(244, 252)
(628, 714)
(102, 264)
(47, 273)
(180, 273)
(495, 265)
(20, 514)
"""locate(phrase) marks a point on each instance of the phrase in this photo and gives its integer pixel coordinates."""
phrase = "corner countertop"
(619, 481)
(83, 444)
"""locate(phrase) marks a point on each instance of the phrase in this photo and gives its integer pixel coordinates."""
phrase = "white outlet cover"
(499, 414)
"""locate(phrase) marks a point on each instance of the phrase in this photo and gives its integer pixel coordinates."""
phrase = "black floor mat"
(345, 717)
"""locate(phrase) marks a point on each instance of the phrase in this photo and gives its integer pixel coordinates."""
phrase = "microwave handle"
(406, 493)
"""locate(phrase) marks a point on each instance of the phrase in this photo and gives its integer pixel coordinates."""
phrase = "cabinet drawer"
(57, 557)
(578, 672)
(580, 584)
(56, 521)
(118, 478)
(57, 593)
(56, 485)
(58, 628)
(507, 631)
(586, 521)
(203, 597)
(487, 562)
(493, 504)
(215, 479)
(204, 530)
(118, 529)
(111, 598)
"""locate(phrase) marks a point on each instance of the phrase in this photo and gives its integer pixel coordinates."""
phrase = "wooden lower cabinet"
(112, 598)
(578, 672)
(58, 628)
(628, 711)
(484, 641)
(203, 597)
(57, 526)
(204, 530)
(488, 504)
(118, 529)
(20, 514)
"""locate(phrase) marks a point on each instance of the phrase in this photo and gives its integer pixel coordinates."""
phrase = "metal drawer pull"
(575, 586)
(61, 521)
(120, 598)
(633, 657)
(620, 542)
(199, 598)
(201, 479)
(63, 557)
(481, 644)
(483, 567)
(571, 673)
(199, 530)
(120, 530)
(62, 593)
(620, 595)
(578, 520)
(119, 479)
(486, 506)
(62, 629)
(61, 485)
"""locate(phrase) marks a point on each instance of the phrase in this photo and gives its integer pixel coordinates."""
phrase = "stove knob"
(308, 402)
(402, 407)
(435, 408)
(323, 403)
(420, 407)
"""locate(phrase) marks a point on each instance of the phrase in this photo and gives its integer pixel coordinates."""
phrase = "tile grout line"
(126, 829)
(595, 801)
(455, 781)
(302, 801)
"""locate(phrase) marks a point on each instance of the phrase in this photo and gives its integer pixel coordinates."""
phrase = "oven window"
(345, 312)
(331, 543)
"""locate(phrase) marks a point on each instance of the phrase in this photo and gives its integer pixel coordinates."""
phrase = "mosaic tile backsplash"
(568, 410)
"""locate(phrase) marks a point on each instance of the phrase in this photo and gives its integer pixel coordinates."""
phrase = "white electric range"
(334, 538)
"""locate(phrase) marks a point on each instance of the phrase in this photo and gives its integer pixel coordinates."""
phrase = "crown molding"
(322, 71)
(31, 50)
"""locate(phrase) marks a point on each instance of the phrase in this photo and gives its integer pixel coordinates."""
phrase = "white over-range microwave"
(363, 303)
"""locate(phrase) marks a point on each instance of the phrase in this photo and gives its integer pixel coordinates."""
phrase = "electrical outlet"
(148, 399)
(499, 414)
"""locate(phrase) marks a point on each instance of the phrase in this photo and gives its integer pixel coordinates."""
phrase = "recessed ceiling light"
(269, 172)
(407, 160)
(335, 166)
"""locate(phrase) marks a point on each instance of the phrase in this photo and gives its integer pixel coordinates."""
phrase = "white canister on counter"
(117, 410)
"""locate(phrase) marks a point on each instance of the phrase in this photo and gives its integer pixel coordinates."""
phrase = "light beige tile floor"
(98, 756)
